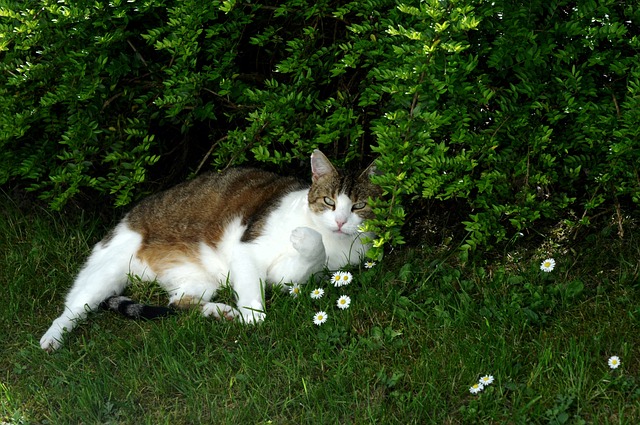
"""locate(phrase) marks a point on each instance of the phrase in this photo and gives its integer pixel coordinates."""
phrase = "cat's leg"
(248, 283)
(103, 275)
(190, 286)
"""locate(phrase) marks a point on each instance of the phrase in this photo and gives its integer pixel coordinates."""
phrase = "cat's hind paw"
(219, 311)
(51, 340)
(50, 343)
(224, 311)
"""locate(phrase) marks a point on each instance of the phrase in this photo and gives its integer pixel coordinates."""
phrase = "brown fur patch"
(162, 256)
(174, 223)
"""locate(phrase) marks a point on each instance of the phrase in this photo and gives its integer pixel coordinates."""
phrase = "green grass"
(420, 331)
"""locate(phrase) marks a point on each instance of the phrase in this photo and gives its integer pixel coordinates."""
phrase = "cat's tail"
(133, 310)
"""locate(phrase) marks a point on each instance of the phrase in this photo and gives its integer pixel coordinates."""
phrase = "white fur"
(295, 244)
(104, 274)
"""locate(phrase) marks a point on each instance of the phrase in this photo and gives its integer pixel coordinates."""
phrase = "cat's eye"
(329, 201)
(358, 206)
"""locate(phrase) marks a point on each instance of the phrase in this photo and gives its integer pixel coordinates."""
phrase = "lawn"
(421, 330)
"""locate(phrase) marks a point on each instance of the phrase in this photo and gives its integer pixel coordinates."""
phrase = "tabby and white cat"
(242, 226)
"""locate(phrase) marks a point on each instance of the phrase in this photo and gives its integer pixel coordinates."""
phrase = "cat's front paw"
(252, 317)
(307, 242)
(250, 312)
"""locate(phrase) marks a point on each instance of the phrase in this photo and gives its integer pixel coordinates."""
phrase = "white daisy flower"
(548, 265)
(614, 362)
(319, 318)
(317, 293)
(346, 278)
(369, 264)
(294, 290)
(344, 302)
(341, 278)
(476, 388)
(486, 380)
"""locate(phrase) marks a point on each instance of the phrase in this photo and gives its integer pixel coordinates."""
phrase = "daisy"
(346, 278)
(317, 293)
(486, 380)
(294, 290)
(319, 318)
(337, 279)
(548, 265)
(476, 388)
(369, 264)
(614, 362)
(341, 278)
(343, 302)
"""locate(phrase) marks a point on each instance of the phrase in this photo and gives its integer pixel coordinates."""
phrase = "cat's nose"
(340, 223)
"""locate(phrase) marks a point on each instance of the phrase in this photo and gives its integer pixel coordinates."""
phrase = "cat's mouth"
(342, 231)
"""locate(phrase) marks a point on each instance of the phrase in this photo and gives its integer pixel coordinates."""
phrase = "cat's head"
(339, 199)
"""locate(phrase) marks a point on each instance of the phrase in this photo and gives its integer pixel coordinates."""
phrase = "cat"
(243, 226)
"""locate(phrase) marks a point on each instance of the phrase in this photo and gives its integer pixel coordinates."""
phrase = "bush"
(525, 111)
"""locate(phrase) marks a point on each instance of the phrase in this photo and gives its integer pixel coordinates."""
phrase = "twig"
(111, 99)
(414, 101)
(227, 101)
(209, 153)
(615, 102)
(138, 53)
(619, 216)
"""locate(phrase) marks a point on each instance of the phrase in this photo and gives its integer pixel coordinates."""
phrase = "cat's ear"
(320, 165)
(371, 170)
